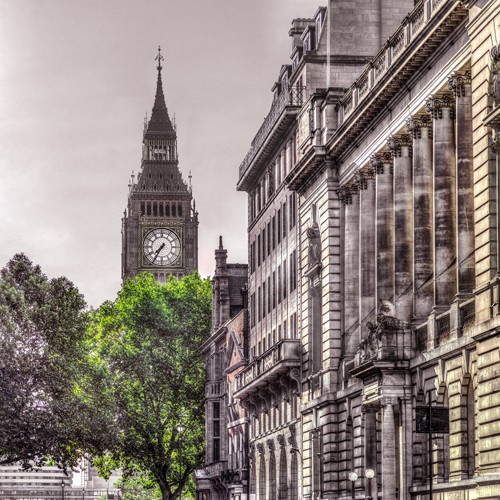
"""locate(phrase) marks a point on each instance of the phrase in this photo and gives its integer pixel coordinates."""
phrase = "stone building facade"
(225, 473)
(160, 224)
(383, 147)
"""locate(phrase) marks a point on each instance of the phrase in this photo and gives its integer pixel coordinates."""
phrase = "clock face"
(161, 247)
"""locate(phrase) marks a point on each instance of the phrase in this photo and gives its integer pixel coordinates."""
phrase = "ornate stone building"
(385, 269)
(225, 473)
(160, 225)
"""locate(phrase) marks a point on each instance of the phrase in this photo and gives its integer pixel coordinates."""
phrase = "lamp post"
(63, 484)
(369, 474)
(180, 428)
(353, 477)
(83, 493)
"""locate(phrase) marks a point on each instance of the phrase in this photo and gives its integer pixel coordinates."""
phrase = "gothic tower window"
(143, 209)
(174, 211)
(179, 210)
(155, 209)
(167, 210)
(149, 209)
(215, 432)
(161, 209)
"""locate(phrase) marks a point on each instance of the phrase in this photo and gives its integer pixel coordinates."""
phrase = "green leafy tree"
(44, 416)
(148, 342)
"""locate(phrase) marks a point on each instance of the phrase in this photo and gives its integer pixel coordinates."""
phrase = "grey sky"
(76, 79)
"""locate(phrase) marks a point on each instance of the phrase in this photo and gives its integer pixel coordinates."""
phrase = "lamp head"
(353, 476)
(369, 473)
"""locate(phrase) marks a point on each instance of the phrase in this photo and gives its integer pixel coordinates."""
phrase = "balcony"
(268, 367)
(283, 113)
(211, 471)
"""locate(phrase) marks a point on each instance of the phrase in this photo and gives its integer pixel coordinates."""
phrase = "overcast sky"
(76, 79)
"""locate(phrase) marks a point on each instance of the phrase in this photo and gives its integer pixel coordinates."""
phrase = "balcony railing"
(278, 358)
(211, 470)
(289, 97)
(423, 13)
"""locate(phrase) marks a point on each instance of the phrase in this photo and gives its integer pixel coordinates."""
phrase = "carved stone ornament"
(281, 440)
(294, 374)
(363, 176)
(457, 82)
(435, 103)
(415, 123)
(397, 144)
(495, 72)
(378, 160)
(270, 444)
(314, 247)
(260, 448)
(370, 348)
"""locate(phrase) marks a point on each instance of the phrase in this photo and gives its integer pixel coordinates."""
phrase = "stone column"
(367, 309)
(460, 84)
(382, 164)
(389, 476)
(349, 195)
(401, 149)
(445, 200)
(420, 127)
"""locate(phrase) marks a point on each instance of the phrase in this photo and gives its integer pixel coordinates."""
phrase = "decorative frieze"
(457, 82)
(363, 176)
(435, 104)
(495, 70)
(415, 123)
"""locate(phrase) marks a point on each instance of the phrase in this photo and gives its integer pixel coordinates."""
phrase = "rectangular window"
(258, 250)
(274, 289)
(273, 225)
(264, 299)
(293, 207)
(279, 284)
(279, 225)
(284, 330)
(268, 238)
(216, 431)
(285, 227)
(284, 279)
(293, 271)
(252, 310)
(269, 295)
(259, 304)
(264, 244)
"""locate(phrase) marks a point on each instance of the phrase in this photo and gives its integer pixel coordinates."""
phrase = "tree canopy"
(44, 415)
(146, 344)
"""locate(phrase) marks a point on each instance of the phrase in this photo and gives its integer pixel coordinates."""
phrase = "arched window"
(167, 210)
(173, 211)
(154, 187)
(179, 210)
(155, 208)
(471, 430)
(294, 477)
(149, 208)
(283, 476)
(143, 208)
(161, 209)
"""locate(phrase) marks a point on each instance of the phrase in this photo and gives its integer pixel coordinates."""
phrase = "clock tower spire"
(160, 224)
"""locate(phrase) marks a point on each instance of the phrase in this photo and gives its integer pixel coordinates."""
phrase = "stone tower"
(160, 224)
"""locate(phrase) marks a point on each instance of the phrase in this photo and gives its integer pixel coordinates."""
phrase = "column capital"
(415, 124)
(363, 176)
(346, 192)
(260, 448)
(396, 143)
(270, 444)
(388, 401)
(378, 160)
(435, 103)
(457, 82)
(281, 440)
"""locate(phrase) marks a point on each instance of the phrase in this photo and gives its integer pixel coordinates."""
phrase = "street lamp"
(180, 428)
(369, 474)
(63, 484)
(353, 477)
(83, 493)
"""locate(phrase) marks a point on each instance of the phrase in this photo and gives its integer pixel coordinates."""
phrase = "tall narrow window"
(268, 238)
(284, 279)
(155, 209)
(269, 295)
(161, 209)
(264, 244)
(285, 227)
(258, 250)
(264, 299)
(167, 210)
(273, 231)
(174, 211)
(279, 225)
(216, 431)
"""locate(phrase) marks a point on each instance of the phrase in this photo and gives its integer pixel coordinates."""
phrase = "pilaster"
(420, 126)
(401, 149)
(442, 108)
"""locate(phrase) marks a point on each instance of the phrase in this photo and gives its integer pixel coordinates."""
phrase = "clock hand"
(158, 251)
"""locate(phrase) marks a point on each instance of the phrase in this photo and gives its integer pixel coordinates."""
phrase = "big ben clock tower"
(160, 224)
